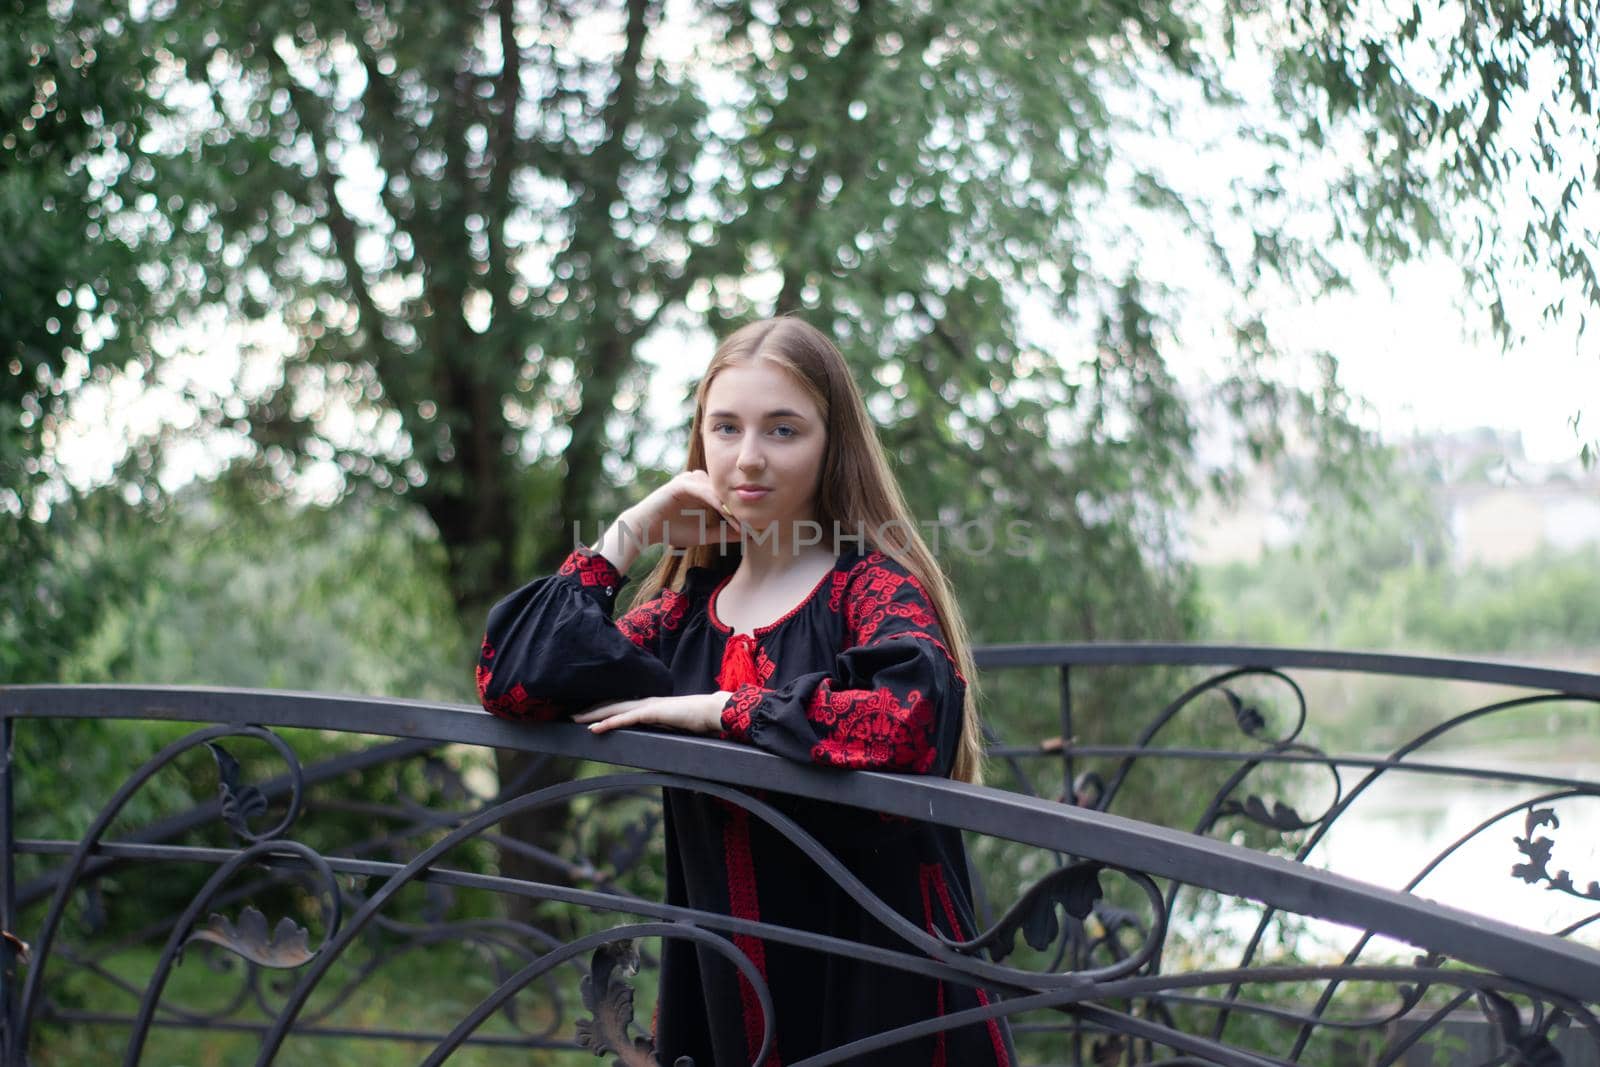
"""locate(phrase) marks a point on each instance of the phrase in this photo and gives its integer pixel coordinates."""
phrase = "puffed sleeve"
(892, 700)
(551, 648)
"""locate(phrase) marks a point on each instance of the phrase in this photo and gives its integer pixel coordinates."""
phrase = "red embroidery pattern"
(736, 715)
(645, 624)
(875, 597)
(744, 903)
(872, 729)
(1000, 1057)
(878, 594)
(592, 569)
(514, 703)
(841, 579)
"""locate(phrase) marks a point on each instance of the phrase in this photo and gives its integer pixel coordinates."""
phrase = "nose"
(750, 455)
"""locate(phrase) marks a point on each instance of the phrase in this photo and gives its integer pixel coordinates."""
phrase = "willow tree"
(474, 219)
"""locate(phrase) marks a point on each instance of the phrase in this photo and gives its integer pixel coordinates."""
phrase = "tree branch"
(862, 39)
(613, 334)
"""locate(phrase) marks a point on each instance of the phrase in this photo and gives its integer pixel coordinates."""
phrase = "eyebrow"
(780, 413)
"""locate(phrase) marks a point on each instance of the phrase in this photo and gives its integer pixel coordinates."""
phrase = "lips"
(751, 492)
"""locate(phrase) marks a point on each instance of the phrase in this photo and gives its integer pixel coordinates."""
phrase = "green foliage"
(70, 88)
(92, 555)
(281, 597)
(914, 179)
(405, 994)
(1539, 605)
(209, 589)
(1544, 603)
(473, 218)
(1450, 101)
(1382, 577)
(471, 228)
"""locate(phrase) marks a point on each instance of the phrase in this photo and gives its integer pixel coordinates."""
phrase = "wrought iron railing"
(1208, 930)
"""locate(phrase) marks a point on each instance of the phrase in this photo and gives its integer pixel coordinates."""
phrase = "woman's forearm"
(622, 541)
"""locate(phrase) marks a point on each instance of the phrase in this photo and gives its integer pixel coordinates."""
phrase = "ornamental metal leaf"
(240, 803)
(1249, 718)
(1538, 851)
(608, 996)
(288, 946)
(1074, 888)
(1279, 817)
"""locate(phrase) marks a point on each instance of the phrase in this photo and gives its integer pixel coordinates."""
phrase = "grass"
(428, 992)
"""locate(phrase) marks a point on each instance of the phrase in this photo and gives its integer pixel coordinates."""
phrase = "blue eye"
(783, 431)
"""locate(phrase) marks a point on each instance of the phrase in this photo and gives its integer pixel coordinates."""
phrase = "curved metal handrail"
(1536, 958)
(1153, 654)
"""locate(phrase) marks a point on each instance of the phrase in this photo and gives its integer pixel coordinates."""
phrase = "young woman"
(797, 611)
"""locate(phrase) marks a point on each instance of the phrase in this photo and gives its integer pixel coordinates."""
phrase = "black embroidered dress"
(858, 676)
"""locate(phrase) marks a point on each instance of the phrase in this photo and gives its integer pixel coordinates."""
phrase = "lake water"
(1400, 823)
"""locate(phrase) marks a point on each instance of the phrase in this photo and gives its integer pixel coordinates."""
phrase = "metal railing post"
(9, 942)
(1069, 793)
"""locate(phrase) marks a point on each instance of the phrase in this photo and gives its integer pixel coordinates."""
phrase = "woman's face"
(764, 442)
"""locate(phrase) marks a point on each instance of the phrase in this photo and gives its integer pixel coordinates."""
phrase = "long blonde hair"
(858, 491)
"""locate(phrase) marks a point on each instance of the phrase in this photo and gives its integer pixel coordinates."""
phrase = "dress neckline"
(758, 631)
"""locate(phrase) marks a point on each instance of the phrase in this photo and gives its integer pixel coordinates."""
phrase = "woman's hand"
(684, 513)
(697, 713)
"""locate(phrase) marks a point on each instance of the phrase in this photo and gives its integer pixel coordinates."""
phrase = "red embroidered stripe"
(744, 904)
(1000, 1057)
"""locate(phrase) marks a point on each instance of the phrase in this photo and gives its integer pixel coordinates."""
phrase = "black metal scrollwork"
(1538, 849)
(1524, 1046)
(1121, 987)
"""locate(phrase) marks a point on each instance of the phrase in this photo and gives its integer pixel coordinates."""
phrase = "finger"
(637, 717)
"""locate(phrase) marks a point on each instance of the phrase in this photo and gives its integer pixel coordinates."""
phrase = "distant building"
(1242, 529)
(1498, 505)
(1501, 507)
